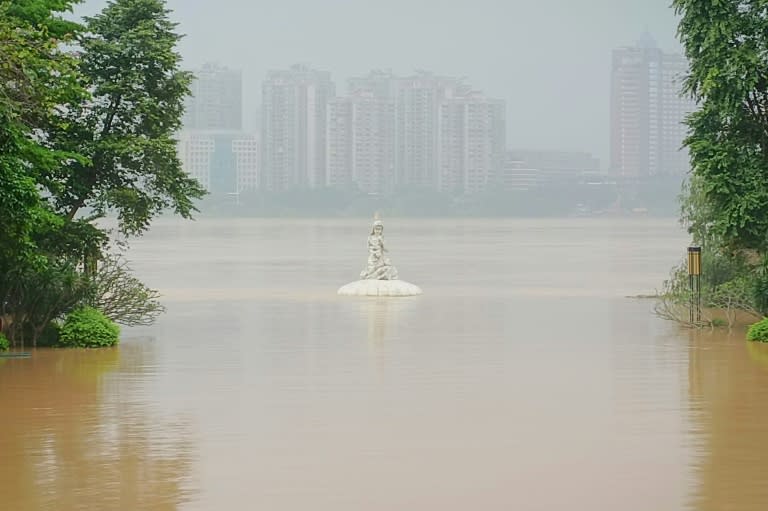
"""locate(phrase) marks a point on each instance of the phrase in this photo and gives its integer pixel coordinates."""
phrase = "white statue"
(379, 278)
(379, 267)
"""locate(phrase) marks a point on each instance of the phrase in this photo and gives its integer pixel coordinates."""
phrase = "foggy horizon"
(550, 63)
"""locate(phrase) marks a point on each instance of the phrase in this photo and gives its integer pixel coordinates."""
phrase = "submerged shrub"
(88, 328)
(50, 335)
(758, 331)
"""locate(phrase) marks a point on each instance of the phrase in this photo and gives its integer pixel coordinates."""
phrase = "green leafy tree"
(126, 128)
(35, 78)
(90, 128)
(726, 43)
(45, 15)
(27, 61)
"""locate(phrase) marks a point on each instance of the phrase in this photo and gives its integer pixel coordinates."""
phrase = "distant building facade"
(647, 112)
(360, 136)
(216, 100)
(418, 104)
(224, 162)
(558, 167)
(515, 175)
(471, 142)
(293, 129)
(381, 84)
(553, 168)
(441, 135)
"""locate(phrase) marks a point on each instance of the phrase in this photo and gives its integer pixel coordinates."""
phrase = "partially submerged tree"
(725, 202)
(122, 297)
(86, 129)
(35, 77)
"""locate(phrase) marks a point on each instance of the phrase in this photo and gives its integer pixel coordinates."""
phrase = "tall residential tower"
(647, 112)
(471, 142)
(293, 130)
(361, 142)
(216, 100)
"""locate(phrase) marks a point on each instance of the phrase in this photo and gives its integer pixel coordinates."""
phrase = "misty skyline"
(550, 61)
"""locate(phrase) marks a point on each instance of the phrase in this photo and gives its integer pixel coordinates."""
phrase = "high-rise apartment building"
(382, 84)
(471, 142)
(647, 111)
(294, 110)
(245, 149)
(360, 140)
(674, 109)
(216, 100)
(441, 135)
(195, 154)
(224, 162)
(418, 104)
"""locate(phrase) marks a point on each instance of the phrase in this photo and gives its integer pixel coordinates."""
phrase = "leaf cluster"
(726, 43)
(759, 331)
(87, 327)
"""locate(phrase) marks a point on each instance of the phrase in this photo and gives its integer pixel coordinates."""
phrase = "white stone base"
(380, 288)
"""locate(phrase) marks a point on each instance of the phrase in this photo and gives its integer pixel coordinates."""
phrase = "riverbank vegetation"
(759, 331)
(725, 203)
(87, 117)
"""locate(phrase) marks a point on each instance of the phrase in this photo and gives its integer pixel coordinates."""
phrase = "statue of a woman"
(379, 267)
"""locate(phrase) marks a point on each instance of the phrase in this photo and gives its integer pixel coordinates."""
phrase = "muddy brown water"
(522, 379)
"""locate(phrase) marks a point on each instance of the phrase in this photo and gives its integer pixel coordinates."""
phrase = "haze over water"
(523, 378)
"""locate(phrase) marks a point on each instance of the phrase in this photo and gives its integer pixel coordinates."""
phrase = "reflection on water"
(729, 408)
(382, 315)
(77, 435)
(522, 379)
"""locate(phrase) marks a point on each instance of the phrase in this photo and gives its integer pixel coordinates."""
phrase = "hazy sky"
(549, 59)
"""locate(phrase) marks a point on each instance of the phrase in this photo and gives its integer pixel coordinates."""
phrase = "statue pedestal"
(380, 288)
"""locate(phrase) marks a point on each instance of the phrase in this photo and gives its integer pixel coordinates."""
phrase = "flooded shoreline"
(523, 378)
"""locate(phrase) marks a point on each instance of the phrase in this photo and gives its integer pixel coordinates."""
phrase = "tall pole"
(690, 299)
(698, 297)
(694, 281)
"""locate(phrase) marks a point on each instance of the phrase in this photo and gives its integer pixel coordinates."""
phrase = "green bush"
(4, 344)
(88, 328)
(758, 331)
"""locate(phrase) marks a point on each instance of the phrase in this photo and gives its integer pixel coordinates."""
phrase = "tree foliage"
(45, 15)
(87, 117)
(726, 43)
(33, 297)
(122, 297)
(759, 331)
(125, 128)
(86, 327)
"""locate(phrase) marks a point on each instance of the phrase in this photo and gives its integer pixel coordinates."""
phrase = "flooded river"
(523, 378)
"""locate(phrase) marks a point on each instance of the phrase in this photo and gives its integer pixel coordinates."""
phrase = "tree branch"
(93, 177)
